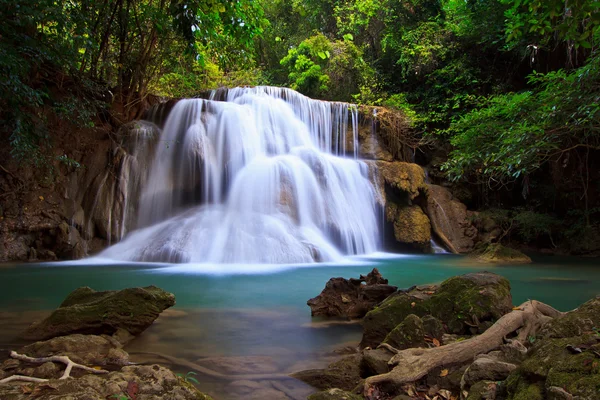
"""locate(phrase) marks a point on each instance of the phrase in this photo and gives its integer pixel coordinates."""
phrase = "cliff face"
(71, 210)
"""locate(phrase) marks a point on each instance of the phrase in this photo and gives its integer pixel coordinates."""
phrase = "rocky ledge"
(463, 339)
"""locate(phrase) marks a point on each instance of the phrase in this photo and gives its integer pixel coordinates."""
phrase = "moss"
(411, 224)
(409, 333)
(479, 390)
(496, 253)
(575, 323)
(403, 177)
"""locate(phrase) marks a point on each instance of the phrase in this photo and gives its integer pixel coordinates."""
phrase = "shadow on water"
(254, 319)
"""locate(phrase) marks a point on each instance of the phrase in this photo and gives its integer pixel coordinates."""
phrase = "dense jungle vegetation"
(504, 94)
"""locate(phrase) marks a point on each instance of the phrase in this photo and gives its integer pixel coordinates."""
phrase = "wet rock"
(150, 382)
(240, 365)
(498, 254)
(403, 178)
(83, 349)
(48, 370)
(409, 333)
(375, 362)
(343, 374)
(350, 298)
(451, 217)
(87, 311)
(334, 394)
(461, 303)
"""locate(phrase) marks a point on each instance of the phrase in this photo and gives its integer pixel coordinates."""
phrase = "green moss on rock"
(343, 374)
(411, 224)
(409, 333)
(496, 253)
(403, 177)
(87, 311)
(575, 323)
(460, 302)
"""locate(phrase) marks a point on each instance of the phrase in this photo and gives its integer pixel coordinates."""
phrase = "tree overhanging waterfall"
(267, 176)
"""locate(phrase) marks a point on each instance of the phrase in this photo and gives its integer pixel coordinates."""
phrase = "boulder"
(450, 217)
(433, 327)
(484, 390)
(83, 349)
(411, 224)
(498, 254)
(148, 382)
(343, 374)
(87, 311)
(462, 303)
(486, 369)
(405, 179)
(575, 323)
(409, 333)
(334, 394)
(375, 362)
(351, 298)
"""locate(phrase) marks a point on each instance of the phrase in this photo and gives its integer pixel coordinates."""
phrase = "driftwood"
(413, 364)
(61, 359)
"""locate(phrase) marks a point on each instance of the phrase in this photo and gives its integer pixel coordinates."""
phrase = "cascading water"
(262, 177)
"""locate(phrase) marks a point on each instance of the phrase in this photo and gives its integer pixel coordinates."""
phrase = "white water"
(261, 178)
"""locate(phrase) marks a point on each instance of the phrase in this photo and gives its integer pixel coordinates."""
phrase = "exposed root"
(61, 359)
(214, 374)
(413, 364)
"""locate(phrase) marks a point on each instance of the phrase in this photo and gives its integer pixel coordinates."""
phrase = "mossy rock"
(409, 333)
(498, 254)
(551, 364)
(403, 177)
(459, 303)
(483, 390)
(411, 224)
(575, 323)
(471, 299)
(343, 374)
(334, 394)
(433, 327)
(87, 311)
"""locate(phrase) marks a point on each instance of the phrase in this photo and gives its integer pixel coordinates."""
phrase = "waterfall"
(266, 176)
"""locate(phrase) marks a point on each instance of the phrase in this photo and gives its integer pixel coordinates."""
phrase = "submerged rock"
(90, 312)
(463, 303)
(351, 298)
(496, 253)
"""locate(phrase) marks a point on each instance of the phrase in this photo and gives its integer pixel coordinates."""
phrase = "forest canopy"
(507, 87)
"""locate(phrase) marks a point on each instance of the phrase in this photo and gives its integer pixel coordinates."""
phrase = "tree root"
(61, 359)
(212, 373)
(413, 364)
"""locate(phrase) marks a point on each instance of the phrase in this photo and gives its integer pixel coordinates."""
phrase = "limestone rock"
(451, 217)
(83, 349)
(403, 178)
(343, 374)
(411, 224)
(334, 394)
(575, 323)
(460, 303)
(483, 390)
(409, 333)
(350, 298)
(486, 369)
(152, 382)
(433, 327)
(498, 254)
(375, 362)
(90, 312)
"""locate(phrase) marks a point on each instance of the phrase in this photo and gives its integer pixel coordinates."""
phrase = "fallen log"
(413, 364)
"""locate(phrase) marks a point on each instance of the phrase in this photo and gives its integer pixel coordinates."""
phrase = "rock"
(460, 303)
(496, 253)
(484, 390)
(240, 365)
(48, 370)
(334, 394)
(90, 312)
(83, 349)
(403, 178)
(575, 323)
(411, 224)
(409, 333)
(375, 362)
(486, 369)
(343, 374)
(549, 364)
(451, 217)
(153, 382)
(556, 393)
(350, 298)
(433, 327)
